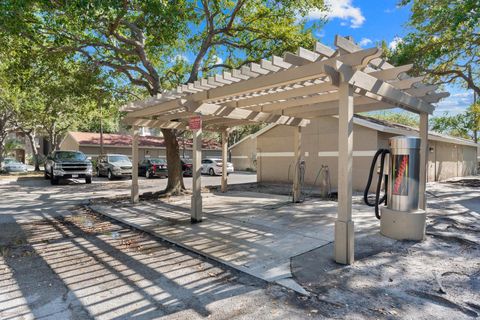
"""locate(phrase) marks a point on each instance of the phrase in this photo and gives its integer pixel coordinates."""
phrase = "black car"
(67, 165)
(153, 167)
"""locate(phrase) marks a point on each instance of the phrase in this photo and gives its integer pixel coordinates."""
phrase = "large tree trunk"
(1, 148)
(175, 184)
(31, 137)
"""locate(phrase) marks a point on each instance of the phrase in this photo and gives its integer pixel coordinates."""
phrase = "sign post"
(195, 124)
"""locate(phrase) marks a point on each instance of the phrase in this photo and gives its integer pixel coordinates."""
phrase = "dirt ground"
(438, 278)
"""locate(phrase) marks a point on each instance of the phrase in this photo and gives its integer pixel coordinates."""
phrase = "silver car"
(11, 165)
(114, 166)
(214, 166)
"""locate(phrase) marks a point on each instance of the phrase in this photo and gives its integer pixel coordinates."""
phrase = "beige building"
(149, 146)
(270, 151)
(243, 154)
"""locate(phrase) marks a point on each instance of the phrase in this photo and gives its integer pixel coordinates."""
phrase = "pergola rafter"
(290, 90)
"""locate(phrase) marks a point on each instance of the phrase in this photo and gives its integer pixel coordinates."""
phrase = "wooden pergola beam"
(392, 73)
(282, 95)
(154, 109)
(292, 75)
(389, 93)
(245, 114)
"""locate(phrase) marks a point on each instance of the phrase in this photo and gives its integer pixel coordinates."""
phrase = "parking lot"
(61, 261)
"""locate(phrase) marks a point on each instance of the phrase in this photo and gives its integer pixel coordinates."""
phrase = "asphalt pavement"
(60, 261)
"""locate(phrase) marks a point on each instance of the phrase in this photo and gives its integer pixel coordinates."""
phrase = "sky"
(371, 21)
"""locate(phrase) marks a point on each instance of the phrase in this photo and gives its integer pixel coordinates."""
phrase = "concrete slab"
(253, 232)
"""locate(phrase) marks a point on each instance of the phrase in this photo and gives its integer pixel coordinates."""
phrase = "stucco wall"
(445, 160)
(275, 159)
(69, 143)
(244, 155)
(319, 147)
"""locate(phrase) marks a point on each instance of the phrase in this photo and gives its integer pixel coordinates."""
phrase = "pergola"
(290, 91)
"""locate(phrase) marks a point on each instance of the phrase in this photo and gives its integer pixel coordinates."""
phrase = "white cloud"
(454, 104)
(340, 9)
(218, 60)
(394, 43)
(365, 42)
(181, 57)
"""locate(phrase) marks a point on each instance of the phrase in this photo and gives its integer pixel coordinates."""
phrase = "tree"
(444, 43)
(10, 145)
(48, 93)
(397, 117)
(6, 119)
(6, 116)
(138, 41)
(241, 132)
(465, 125)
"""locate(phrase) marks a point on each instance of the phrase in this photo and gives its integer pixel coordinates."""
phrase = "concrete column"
(134, 195)
(344, 233)
(423, 160)
(297, 148)
(224, 160)
(196, 204)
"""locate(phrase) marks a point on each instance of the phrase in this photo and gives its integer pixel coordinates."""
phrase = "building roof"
(123, 140)
(387, 127)
(395, 128)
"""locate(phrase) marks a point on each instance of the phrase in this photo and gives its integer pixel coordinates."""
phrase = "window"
(158, 161)
(118, 158)
(70, 155)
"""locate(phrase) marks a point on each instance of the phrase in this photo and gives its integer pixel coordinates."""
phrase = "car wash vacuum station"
(401, 219)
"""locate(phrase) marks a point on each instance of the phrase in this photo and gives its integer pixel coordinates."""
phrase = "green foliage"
(10, 145)
(241, 132)
(405, 118)
(465, 125)
(444, 42)
(139, 43)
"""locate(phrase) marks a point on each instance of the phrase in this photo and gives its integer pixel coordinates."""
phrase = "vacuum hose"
(378, 200)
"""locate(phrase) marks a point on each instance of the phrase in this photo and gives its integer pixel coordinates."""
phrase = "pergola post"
(196, 204)
(134, 195)
(344, 233)
(224, 160)
(422, 183)
(297, 147)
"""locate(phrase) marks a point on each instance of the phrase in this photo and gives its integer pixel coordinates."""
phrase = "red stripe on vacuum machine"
(400, 174)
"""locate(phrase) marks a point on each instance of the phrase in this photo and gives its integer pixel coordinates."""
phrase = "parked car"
(11, 165)
(4, 162)
(187, 166)
(213, 166)
(114, 166)
(153, 167)
(67, 165)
